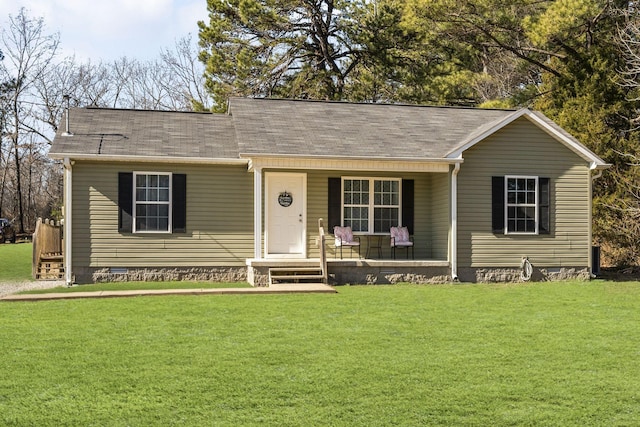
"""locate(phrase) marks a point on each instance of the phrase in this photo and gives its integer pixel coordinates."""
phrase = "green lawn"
(15, 261)
(556, 354)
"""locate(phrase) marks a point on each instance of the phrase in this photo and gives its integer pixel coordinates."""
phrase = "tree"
(618, 215)
(485, 43)
(174, 81)
(290, 48)
(29, 51)
(363, 50)
(188, 82)
(629, 45)
(618, 218)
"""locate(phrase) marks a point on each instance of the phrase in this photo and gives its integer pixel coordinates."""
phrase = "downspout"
(68, 274)
(257, 212)
(590, 251)
(454, 222)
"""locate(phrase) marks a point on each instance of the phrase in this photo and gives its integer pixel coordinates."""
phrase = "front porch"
(357, 271)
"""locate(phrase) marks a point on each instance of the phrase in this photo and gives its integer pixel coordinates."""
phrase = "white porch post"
(68, 274)
(257, 212)
(454, 222)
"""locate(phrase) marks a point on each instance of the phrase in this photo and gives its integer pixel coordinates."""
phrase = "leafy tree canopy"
(360, 50)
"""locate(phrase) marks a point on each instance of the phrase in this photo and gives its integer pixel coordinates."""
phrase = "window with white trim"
(371, 205)
(152, 202)
(521, 210)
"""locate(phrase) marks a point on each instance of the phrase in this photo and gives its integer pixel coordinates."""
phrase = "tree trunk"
(18, 184)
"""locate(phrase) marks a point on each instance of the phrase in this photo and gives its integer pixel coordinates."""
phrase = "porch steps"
(302, 274)
(281, 275)
(51, 267)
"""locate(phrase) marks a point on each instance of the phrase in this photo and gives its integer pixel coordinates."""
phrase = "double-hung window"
(521, 204)
(152, 202)
(371, 205)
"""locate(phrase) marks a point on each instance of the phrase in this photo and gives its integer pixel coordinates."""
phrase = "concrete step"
(295, 275)
(294, 269)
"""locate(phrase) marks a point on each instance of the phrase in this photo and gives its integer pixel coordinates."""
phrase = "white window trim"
(371, 205)
(169, 203)
(507, 205)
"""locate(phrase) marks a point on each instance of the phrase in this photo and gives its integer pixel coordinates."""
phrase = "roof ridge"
(381, 104)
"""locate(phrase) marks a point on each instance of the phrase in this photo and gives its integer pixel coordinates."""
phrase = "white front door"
(286, 214)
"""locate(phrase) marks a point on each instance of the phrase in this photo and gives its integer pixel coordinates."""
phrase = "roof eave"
(599, 165)
(147, 159)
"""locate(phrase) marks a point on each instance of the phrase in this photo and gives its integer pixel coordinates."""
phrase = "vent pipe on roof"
(66, 132)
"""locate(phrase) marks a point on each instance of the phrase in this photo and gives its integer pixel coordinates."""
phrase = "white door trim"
(267, 214)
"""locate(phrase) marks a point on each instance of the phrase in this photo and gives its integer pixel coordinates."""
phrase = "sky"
(105, 30)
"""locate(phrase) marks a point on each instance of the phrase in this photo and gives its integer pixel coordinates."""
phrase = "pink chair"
(344, 237)
(400, 239)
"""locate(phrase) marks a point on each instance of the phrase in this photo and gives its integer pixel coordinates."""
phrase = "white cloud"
(109, 29)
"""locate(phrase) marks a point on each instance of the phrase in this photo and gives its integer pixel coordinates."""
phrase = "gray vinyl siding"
(219, 219)
(430, 219)
(523, 149)
(440, 213)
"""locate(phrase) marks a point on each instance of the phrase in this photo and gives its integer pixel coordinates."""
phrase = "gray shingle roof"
(279, 127)
(113, 132)
(341, 129)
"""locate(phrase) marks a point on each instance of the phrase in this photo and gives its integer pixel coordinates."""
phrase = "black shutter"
(334, 204)
(407, 204)
(125, 202)
(544, 227)
(179, 202)
(497, 204)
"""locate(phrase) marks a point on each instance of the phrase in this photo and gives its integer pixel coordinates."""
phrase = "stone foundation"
(340, 273)
(512, 275)
(388, 275)
(258, 276)
(150, 274)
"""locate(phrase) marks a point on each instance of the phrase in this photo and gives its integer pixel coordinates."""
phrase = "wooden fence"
(47, 241)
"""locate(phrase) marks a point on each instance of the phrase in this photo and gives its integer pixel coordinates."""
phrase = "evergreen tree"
(358, 50)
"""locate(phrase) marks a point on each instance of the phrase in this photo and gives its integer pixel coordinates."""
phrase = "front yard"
(15, 262)
(530, 354)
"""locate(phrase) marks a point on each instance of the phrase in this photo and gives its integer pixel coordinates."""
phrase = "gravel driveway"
(9, 288)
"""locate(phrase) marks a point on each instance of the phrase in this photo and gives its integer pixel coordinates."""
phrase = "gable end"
(541, 122)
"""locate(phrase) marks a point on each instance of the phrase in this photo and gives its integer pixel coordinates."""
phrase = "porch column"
(257, 212)
(454, 222)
